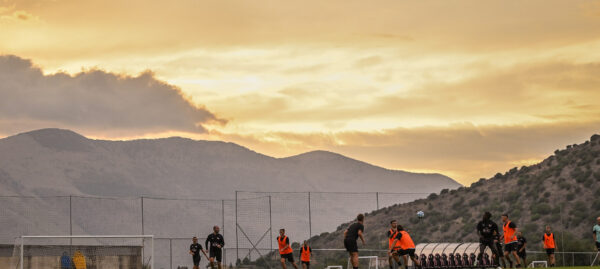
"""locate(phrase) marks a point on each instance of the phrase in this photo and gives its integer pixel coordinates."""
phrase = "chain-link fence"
(249, 224)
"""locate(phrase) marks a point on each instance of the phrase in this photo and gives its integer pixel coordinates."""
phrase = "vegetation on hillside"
(562, 191)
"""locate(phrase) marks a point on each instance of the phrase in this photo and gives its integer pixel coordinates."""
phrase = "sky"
(462, 88)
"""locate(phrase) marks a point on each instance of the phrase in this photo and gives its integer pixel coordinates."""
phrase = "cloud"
(94, 100)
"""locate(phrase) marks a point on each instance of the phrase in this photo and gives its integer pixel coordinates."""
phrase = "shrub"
(474, 202)
(541, 208)
(535, 217)
(570, 196)
(521, 181)
(432, 196)
(444, 191)
(530, 228)
(513, 196)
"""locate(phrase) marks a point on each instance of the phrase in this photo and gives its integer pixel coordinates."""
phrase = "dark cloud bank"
(93, 100)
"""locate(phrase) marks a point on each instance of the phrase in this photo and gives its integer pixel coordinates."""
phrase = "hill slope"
(61, 162)
(562, 191)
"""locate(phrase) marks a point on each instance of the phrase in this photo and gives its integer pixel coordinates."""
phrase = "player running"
(214, 243)
(521, 245)
(501, 260)
(351, 235)
(549, 245)
(510, 240)
(305, 255)
(488, 232)
(596, 232)
(285, 249)
(195, 250)
(407, 246)
(392, 233)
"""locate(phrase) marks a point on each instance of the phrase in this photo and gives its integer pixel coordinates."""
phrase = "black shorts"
(216, 253)
(350, 245)
(499, 248)
(510, 247)
(598, 245)
(307, 263)
(196, 259)
(410, 252)
(549, 251)
(522, 254)
(289, 257)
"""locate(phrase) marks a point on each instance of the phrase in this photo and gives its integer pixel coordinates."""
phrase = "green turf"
(575, 267)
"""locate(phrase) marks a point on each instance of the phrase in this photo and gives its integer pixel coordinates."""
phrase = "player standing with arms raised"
(285, 249)
(510, 240)
(351, 235)
(214, 243)
(549, 245)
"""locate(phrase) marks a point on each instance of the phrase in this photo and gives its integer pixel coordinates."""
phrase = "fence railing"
(248, 223)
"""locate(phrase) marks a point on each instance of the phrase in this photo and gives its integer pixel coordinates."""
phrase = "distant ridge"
(58, 162)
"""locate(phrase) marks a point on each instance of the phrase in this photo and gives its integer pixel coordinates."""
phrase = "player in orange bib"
(305, 254)
(285, 250)
(549, 245)
(407, 246)
(392, 233)
(510, 240)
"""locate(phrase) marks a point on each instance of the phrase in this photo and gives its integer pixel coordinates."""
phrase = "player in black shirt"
(351, 235)
(487, 231)
(195, 250)
(521, 244)
(214, 243)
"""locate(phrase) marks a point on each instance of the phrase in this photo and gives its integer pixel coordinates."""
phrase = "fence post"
(377, 198)
(142, 208)
(170, 253)
(223, 229)
(270, 225)
(562, 235)
(237, 246)
(70, 224)
(309, 218)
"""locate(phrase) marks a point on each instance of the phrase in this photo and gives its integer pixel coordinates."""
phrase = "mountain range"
(62, 162)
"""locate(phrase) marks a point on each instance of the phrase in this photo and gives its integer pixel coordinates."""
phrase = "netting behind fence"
(250, 225)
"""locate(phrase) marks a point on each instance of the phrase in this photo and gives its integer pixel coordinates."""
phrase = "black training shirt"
(195, 248)
(353, 230)
(521, 241)
(212, 240)
(487, 229)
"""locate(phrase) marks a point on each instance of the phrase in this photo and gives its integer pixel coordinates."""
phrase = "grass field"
(574, 267)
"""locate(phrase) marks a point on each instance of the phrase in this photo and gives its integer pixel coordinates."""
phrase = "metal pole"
(152, 253)
(171, 253)
(562, 235)
(22, 256)
(377, 197)
(142, 203)
(309, 218)
(223, 229)
(70, 224)
(270, 224)
(237, 247)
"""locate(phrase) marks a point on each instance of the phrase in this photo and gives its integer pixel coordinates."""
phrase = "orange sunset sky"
(463, 88)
